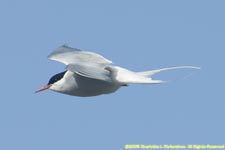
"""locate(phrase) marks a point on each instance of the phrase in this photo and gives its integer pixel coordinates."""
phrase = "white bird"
(90, 74)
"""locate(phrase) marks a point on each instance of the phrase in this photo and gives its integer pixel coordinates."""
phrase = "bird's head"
(52, 82)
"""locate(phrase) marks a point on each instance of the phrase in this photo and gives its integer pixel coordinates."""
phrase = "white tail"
(124, 76)
(152, 72)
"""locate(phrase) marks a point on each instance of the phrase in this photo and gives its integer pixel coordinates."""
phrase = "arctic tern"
(90, 74)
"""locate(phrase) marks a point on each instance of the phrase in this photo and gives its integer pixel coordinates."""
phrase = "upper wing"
(87, 64)
(68, 55)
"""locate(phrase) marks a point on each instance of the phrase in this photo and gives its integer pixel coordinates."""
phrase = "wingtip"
(65, 46)
(62, 49)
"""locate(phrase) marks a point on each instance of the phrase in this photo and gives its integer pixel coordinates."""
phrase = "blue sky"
(138, 35)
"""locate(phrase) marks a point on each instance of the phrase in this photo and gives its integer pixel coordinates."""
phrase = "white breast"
(77, 85)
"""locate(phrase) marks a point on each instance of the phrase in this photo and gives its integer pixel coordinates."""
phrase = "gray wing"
(90, 71)
(84, 63)
(68, 55)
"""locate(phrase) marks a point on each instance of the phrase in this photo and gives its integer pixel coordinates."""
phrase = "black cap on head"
(56, 78)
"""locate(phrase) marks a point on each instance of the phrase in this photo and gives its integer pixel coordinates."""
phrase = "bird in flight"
(90, 74)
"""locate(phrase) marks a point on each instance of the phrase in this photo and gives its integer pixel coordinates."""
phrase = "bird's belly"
(84, 87)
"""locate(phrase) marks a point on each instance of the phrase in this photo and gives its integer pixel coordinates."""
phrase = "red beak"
(43, 88)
